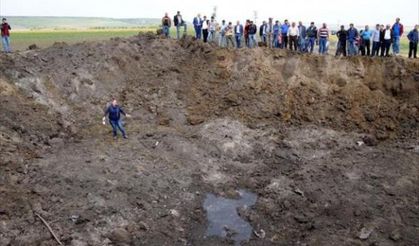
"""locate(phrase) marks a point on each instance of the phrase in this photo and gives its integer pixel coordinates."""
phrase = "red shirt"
(5, 27)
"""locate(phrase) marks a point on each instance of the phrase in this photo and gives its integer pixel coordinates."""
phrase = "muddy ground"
(329, 145)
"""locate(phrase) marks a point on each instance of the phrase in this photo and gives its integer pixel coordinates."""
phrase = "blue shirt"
(366, 35)
(352, 34)
(284, 28)
(276, 29)
(396, 30)
(413, 36)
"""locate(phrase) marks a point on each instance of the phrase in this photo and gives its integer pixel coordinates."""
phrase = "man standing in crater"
(114, 112)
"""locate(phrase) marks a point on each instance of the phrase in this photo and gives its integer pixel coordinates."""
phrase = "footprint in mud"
(223, 219)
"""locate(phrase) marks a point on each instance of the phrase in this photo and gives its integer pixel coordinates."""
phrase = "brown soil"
(329, 145)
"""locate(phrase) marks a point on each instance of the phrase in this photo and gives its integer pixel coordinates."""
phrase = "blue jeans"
(310, 42)
(222, 41)
(252, 41)
(6, 44)
(198, 32)
(117, 124)
(178, 27)
(322, 45)
(275, 41)
(396, 45)
(352, 48)
(238, 40)
(166, 31)
(301, 44)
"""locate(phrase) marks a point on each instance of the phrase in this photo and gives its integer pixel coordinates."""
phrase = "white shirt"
(205, 25)
(387, 35)
(376, 36)
(293, 31)
(238, 29)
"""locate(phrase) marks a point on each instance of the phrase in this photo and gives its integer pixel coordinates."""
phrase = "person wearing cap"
(311, 37)
(5, 35)
(179, 23)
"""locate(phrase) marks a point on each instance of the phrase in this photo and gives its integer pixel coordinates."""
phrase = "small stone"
(365, 233)
(174, 213)
(143, 226)
(395, 235)
(120, 235)
(301, 218)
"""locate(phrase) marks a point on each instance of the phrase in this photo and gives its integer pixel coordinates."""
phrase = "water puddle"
(223, 219)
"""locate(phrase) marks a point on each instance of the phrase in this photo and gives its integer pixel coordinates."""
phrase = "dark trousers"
(205, 35)
(375, 48)
(341, 48)
(413, 49)
(293, 42)
(367, 46)
(385, 47)
(284, 41)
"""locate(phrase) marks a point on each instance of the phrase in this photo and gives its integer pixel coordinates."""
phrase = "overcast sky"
(331, 11)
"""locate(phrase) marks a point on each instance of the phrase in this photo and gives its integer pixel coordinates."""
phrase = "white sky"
(331, 11)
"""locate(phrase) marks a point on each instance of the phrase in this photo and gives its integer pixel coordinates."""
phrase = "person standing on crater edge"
(5, 35)
(114, 112)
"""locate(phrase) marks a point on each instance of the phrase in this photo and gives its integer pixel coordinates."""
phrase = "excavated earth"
(329, 145)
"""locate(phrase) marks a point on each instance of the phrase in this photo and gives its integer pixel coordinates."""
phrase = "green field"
(45, 38)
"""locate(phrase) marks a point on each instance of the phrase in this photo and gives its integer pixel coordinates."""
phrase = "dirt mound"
(328, 144)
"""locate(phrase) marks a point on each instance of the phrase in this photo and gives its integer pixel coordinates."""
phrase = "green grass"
(60, 23)
(22, 39)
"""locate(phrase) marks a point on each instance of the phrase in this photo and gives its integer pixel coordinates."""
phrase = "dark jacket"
(5, 29)
(176, 20)
(382, 34)
(261, 29)
(197, 22)
(253, 29)
(114, 113)
(413, 36)
(166, 21)
(312, 32)
(303, 31)
(342, 35)
(240, 29)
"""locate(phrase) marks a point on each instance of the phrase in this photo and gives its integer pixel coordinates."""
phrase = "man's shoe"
(125, 137)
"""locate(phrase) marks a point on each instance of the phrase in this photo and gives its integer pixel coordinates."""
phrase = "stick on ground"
(49, 228)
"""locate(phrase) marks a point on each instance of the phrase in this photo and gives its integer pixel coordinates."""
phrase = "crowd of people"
(351, 42)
